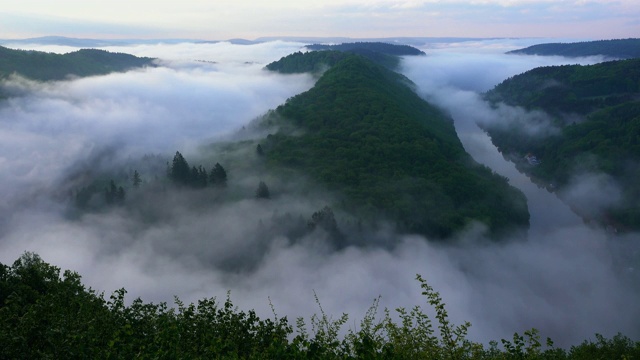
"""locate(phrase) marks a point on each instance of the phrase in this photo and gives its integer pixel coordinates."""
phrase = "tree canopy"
(368, 135)
(597, 114)
(617, 48)
(38, 65)
(48, 314)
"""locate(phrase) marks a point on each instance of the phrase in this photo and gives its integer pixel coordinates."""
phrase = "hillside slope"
(618, 49)
(42, 66)
(596, 112)
(368, 135)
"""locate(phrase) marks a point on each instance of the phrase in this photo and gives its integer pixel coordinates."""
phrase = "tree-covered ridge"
(325, 56)
(571, 88)
(619, 49)
(368, 135)
(42, 66)
(313, 62)
(597, 113)
(378, 47)
(46, 314)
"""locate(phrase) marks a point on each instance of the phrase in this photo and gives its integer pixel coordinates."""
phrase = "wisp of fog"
(566, 279)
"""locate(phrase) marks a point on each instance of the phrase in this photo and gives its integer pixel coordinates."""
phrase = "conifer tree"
(180, 172)
(218, 175)
(263, 191)
(136, 179)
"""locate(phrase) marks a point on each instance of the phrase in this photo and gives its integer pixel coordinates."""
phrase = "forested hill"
(369, 136)
(380, 47)
(327, 55)
(618, 49)
(42, 66)
(597, 111)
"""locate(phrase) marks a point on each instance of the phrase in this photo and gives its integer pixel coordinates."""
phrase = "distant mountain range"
(91, 43)
(616, 49)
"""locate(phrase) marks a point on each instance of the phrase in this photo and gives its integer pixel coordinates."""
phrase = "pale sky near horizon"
(222, 19)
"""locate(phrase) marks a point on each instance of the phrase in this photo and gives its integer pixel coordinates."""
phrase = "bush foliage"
(44, 314)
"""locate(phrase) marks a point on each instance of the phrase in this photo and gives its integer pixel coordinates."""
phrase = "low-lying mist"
(568, 280)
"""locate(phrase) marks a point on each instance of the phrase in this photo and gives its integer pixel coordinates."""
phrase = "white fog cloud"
(566, 279)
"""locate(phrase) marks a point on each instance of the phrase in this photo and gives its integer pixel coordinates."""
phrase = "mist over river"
(565, 278)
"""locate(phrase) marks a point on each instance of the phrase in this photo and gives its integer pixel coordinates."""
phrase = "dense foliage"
(379, 47)
(38, 65)
(313, 62)
(368, 135)
(597, 112)
(325, 56)
(46, 315)
(619, 49)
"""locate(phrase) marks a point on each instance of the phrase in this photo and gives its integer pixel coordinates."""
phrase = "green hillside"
(597, 110)
(369, 136)
(324, 56)
(619, 49)
(42, 66)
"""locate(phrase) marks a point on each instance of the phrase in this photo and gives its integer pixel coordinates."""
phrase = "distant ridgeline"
(369, 136)
(619, 49)
(42, 66)
(597, 111)
(324, 56)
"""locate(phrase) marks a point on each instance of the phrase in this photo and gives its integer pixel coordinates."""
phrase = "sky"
(222, 20)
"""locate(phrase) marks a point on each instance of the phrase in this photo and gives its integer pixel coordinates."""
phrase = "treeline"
(369, 136)
(107, 190)
(46, 314)
(42, 66)
(196, 176)
(618, 48)
(325, 56)
(313, 62)
(597, 110)
(561, 90)
(379, 47)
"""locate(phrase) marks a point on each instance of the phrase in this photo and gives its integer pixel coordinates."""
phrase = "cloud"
(591, 194)
(566, 279)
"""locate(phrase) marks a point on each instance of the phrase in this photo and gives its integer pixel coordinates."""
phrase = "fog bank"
(567, 280)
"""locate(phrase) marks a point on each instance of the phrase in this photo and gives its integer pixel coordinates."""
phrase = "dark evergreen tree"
(136, 179)
(326, 220)
(180, 172)
(202, 179)
(110, 193)
(218, 175)
(259, 150)
(194, 176)
(263, 191)
(114, 194)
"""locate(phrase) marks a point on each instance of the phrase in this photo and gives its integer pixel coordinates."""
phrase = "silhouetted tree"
(114, 194)
(259, 150)
(218, 175)
(136, 179)
(263, 191)
(180, 172)
(202, 178)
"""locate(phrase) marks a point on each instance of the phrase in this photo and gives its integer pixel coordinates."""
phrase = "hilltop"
(617, 49)
(367, 134)
(323, 56)
(42, 66)
(595, 118)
